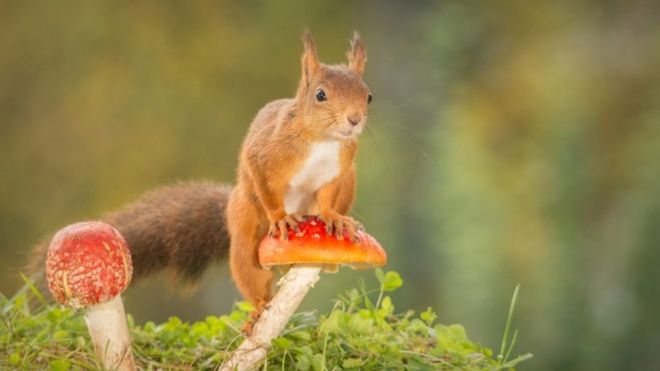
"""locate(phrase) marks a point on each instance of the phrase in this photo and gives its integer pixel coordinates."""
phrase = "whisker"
(420, 150)
(417, 147)
(406, 114)
(357, 215)
(377, 147)
(396, 125)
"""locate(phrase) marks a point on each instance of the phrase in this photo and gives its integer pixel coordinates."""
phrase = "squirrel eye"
(320, 95)
(369, 98)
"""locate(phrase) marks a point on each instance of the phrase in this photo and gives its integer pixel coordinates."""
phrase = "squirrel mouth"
(346, 133)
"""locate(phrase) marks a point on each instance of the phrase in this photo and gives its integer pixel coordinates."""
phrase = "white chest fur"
(320, 167)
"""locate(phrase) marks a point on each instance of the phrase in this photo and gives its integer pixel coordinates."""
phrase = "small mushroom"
(89, 266)
(308, 251)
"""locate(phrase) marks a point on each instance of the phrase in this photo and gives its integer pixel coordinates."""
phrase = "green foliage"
(357, 334)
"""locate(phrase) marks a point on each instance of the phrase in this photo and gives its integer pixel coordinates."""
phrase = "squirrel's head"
(334, 98)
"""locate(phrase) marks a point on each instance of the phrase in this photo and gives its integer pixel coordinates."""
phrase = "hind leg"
(246, 230)
(252, 281)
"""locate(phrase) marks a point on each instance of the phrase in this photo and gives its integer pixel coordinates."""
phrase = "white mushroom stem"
(293, 287)
(107, 326)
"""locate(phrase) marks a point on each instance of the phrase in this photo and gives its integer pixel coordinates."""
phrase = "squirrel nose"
(355, 119)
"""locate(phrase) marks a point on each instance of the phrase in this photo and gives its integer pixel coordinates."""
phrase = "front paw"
(280, 228)
(337, 224)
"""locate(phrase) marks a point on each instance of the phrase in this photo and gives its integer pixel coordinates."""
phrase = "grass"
(358, 334)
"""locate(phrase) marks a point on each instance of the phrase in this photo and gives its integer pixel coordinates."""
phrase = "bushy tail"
(179, 227)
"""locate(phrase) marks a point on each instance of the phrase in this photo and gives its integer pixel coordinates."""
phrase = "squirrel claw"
(247, 327)
(280, 227)
(352, 230)
(338, 224)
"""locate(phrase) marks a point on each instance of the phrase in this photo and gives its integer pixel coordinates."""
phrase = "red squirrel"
(297, 159)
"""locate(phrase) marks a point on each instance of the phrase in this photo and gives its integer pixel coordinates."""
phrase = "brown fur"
(180, 227)
(278, 142)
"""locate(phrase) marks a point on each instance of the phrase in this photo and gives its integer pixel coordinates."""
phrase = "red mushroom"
(312, 244)
(307, 251)
(89, 266)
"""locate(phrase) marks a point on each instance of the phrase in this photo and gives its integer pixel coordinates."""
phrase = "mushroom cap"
(313, 245)
(88, 263)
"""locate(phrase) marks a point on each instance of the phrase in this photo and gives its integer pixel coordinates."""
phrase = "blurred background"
(508, 143)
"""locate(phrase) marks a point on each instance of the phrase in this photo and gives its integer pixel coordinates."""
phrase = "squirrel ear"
(310, 60)
(357, 55)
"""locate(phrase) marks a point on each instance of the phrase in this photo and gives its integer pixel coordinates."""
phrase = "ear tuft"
(310, 60)
(357, 55)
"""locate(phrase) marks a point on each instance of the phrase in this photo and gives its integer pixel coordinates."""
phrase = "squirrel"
(297, 159)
